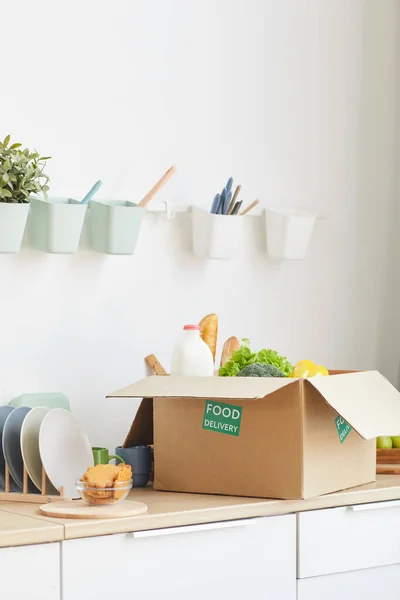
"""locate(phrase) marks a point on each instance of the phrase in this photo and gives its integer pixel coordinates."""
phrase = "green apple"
(396, 441)
(384, 441)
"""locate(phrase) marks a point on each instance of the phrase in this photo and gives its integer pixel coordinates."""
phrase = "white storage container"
(288, 232)
(216, 236)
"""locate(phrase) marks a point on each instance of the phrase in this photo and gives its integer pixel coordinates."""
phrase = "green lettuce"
(244, 356)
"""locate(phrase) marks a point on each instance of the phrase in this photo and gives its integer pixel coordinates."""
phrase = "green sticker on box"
(222, 418)
(343, 428)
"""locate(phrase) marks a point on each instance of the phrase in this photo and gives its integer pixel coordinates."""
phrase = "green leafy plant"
(21, 173)
(244, 356)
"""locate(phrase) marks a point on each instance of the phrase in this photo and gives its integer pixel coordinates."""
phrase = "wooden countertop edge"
(267, 508)
(160, 518)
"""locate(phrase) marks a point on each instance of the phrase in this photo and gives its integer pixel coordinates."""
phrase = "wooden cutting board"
(388, 469)
(390, 456)
(78, 509)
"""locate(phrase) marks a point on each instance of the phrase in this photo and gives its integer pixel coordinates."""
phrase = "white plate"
(11, 441)
(30, 447)
(64, 449)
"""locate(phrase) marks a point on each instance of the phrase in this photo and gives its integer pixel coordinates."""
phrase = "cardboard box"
(266, 437)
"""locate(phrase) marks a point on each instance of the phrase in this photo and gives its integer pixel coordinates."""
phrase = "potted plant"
(21, 176)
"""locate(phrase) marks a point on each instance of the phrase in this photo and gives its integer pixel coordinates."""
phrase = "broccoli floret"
(260, 370)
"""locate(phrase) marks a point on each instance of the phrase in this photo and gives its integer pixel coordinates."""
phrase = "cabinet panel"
(253, 558)
(348, 538)
(30, 572)
(368, 584)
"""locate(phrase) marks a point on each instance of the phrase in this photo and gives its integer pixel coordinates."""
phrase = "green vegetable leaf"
(244, 356)
(6, 140)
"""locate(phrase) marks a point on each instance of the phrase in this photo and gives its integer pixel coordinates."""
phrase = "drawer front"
(239, 559)
(368, 584)
(30, 572)
(348, 538)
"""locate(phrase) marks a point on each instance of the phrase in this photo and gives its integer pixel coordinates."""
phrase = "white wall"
(295, 99)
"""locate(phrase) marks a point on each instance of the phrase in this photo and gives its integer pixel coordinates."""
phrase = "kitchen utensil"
(215, 204)
(156, 188)
(234, 199)
(12, 447)
(139, 458)
(222, 203)
(48, 399)
(227, 203)
(92, 192)
(104, 496)
(30, 447)
(101, 456)
(78, 509)
(236, 208)
(64, 449)
(228, 186)
(4, 412)
(250, 207)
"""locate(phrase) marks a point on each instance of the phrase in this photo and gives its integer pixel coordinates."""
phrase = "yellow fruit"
(303, 368)
(318, 370)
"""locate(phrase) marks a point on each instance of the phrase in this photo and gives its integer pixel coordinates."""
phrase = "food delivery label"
(222, 418)
(343, 428)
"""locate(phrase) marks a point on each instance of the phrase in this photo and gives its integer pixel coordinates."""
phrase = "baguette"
(209, 332)
(230, 346)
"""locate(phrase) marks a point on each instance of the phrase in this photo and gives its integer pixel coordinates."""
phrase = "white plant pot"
(288, 232)
(115, 225)
(216, 236)
(13, 218)
(55, 226)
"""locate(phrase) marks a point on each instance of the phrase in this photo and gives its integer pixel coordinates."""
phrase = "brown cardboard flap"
(251, 388)
(141, 432)
(366, 400)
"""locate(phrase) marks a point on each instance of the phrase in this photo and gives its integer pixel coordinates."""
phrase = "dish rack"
(25, 495)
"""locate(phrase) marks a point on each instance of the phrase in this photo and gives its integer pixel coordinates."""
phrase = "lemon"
(318, 370)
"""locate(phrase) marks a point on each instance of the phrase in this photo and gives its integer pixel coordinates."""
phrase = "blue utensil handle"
(92, 192)
(214, 206)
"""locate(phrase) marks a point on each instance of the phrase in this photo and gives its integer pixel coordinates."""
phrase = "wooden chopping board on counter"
(78, 509)
(388, 461)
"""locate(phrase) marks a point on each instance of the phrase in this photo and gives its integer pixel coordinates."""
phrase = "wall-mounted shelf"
(114, 227)
(168, 209)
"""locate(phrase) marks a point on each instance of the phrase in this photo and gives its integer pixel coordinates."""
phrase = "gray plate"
(4, 412)
(12, 447)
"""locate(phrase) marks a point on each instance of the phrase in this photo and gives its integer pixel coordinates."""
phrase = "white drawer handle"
(374, 505)
(193, 528)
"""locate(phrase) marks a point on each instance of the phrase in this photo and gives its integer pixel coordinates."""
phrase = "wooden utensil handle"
(233, 201)
(155, 365)
(250, 207)
(156, 188)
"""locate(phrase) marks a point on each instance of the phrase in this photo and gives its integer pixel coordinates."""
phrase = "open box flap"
(366, 400)
(203, 387)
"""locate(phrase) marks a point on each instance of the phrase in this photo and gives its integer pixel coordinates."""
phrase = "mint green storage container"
(55, 226)
(115, 225)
